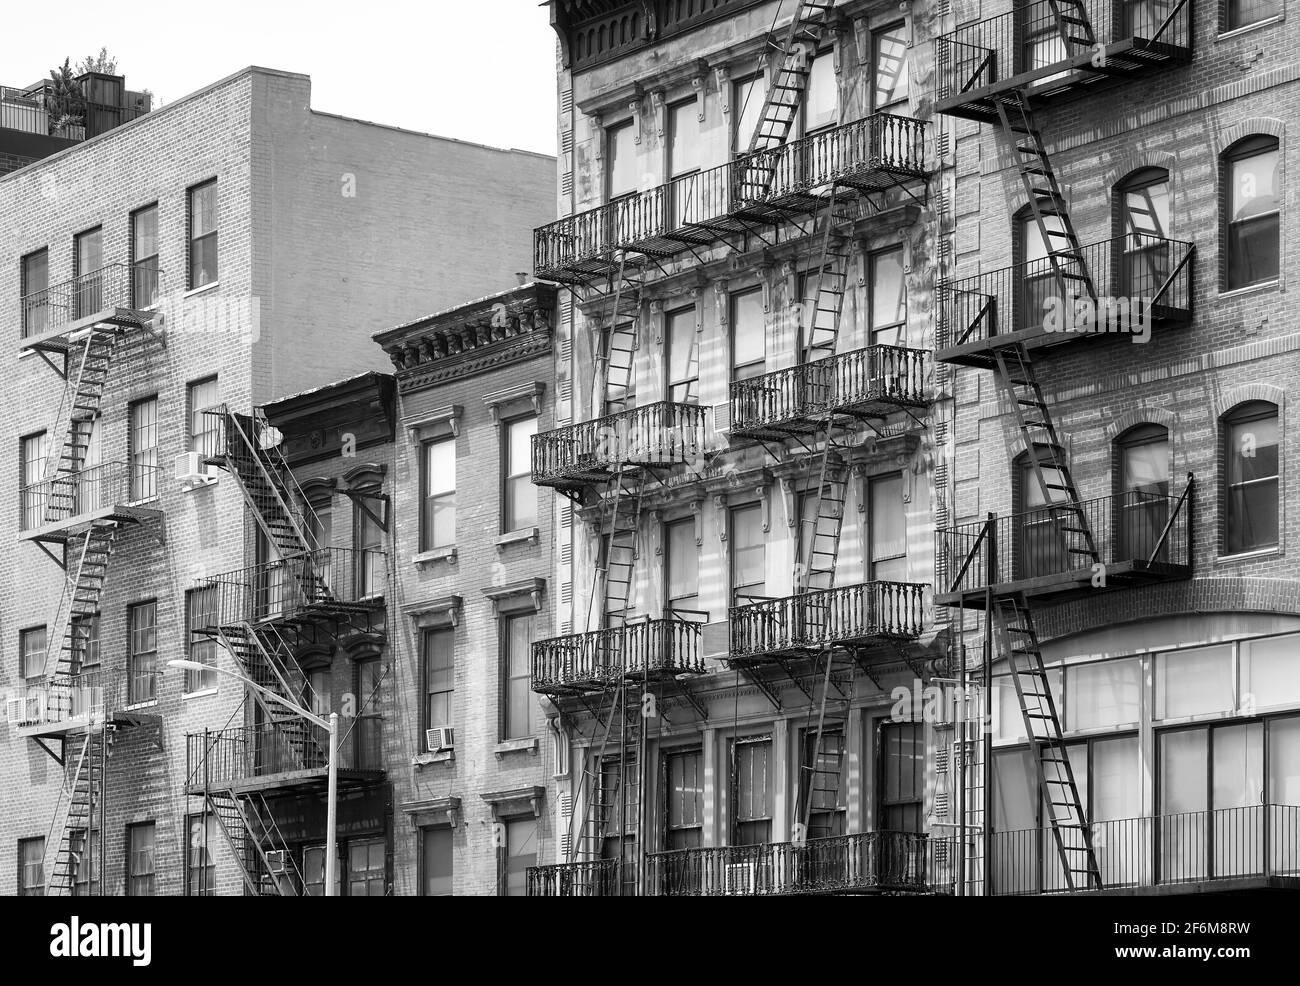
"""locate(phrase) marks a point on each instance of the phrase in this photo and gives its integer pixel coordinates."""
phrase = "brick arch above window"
(1245, 393)
(1129, 164)
(1254, 127)
(1141, 416)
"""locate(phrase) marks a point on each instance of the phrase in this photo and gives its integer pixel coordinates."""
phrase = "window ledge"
(521, 536)
(211, 479)
(426, 759)
(515, 746)
(1250, 289)
(447, 554)
(140, 705)
(201, 693)
(211, 286)
(1248, 555)
(1237, 32)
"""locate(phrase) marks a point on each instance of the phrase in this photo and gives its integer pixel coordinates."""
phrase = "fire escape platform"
(289, 780)
(598, 661)
(121, 718)
(1063, 586)
(67, 529)
(66, 336)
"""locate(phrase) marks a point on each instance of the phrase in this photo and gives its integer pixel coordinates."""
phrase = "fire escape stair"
(78, 820)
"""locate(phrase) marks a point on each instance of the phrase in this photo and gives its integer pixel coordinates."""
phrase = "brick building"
(231, 248)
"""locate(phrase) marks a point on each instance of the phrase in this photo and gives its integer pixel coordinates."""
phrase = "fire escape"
(1064, 545)
(306, 593)
(76, 512)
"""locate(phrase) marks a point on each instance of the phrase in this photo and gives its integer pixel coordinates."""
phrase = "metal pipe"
(332, 808)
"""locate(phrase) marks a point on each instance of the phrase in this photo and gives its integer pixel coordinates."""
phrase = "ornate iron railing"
(70, 495)
(126, 286)
(602, 657)
(660, 434)
(840, 615)
(587, 878)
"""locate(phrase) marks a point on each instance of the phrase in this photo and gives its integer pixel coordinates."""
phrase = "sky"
(480, 70)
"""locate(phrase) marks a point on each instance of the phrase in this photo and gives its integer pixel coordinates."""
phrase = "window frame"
(191, 239)
(509, 522)
(612, 133)
(1243, 414)
(899, 328)
(873, 483)
(24, 635)
(906, 101)
(142, 491)
(31, 509)
(203, 440)
(1251, 146)
(201, 650)
(134, 675)
(130, 876)
(504, 853)
(450, 835)
(32, 326)
(690, 383)
(507, 730)
(666, 758)
(429, 500)
(671, 601)
(206, 871)
(734, 784)
(733, 307)
(24, 888)
(1226, 25)
(427, 637)
(733, 595)
(144, 268)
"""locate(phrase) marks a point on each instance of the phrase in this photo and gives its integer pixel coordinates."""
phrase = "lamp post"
(332, 724)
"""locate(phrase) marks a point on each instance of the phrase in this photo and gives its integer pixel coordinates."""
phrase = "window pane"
(1243, 12)
(821, 104)
(748, 336)
(888, 297)
(1146, 209)
(144, 449)
(1254, 185)
(437, 862)
(748, 551)
(144, 234)
(519, 697)
(622, 161)
(1252, 494)
(439, 677)
(204, 428)
(203, 210)
(521, 853)
(1192, 682)
(1010, 723)
(747, 108)
(1115, 784)
(888, 523)
(891, 68)
(1103, 694)
(1239, 766)
(683, 356)
(684, 142)
(1284, 762)
(683, 560)
(1270, 672)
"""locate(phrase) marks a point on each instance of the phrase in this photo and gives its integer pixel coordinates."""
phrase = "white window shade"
(1194, 682)
(1104, 694)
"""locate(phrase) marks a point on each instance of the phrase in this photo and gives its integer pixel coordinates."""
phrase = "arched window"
(1252, 200)
(1141, 491)
(1142, 220)
(1249, 496)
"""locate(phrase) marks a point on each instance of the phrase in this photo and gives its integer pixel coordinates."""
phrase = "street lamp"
(332, 724)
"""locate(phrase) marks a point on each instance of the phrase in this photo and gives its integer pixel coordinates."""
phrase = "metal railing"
(892, 145)
(1189, 847)
(876, 374)
(1135, 277)
(90, 697)
(827, 616)
(999, 48)
(1152, 528)
(659, 434)
(588, 878)
(238, 753)
(94, 488)
(896, 861)
(601, 657)
(125, 286)
(286, 588)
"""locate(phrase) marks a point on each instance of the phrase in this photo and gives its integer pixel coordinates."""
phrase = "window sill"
(425, 759)
(515, 746)
(210, 286)
(1237, 32)
(1263, 286)
(1248, 555)
(211, 479)
(424, 558)
(140, 705)
(201, 693)
(522, 536)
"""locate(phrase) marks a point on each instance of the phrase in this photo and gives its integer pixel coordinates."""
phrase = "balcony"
(1142, 283)
(1140, 538)
(119, 296)
(852, 616)
(867, 383)
(68, 703)
(658, 436)
(326, 584)
(760, 189)
(1223, 850)
(28, 110)
(1024, 48)
(591, 662)
(588, 878)
(58, 509)
(867, 862)
(252, 758)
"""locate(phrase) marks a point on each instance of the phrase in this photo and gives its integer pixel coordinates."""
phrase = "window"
(620, 161)
(822, 780)
(1253, 221)
(684, 818)
(92, 486)
(1269, 674)
(142, 651)
(144, 257)
(747, 96)
(201, 863)
(1195, 681)
(438, 481)
(1242, 13)
(888, 305)
(85, 882)
(683, 356)
(751, 791)
(517, 700)
(144, 449)
(1250, 494)
(86, 632)
(1142, 479)
(369, 542)
(35, 450)
(1100, 694)
(1039, 282)
(1041, 541)
(519, 495)
(201, 612)
(205, 429)
(681, 566)
(31, 867)
(436, 860)
(140, 862)
(320, 533)
(370, 714)
(821, 99)
(1041, 43)
(748, 554)
(748, 335)
(888, 529)
(889, 59)
(88, 264)
(316, 694)
(683, 162)
(366, 868)
(35, 291)
(438, 647)
(616, 820)
(313, 872)
(902, 777)
(31, 647)
(203, 234)
(519, 853)
(1145, 260)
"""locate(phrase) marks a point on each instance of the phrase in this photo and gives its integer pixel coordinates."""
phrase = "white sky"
(479, 70)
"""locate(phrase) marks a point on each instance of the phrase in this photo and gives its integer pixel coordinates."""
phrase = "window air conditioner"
(16, 710)
(277, 861)
(191, 472)
(440, 738)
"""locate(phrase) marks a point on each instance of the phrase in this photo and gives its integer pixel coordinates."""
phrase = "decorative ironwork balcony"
(65, 703)
(1140, 281)
(867, 155)
(118, 295)
(598, 659)
(588, 878)
(1024, 47)
(658, 436)
(57, 509)
(321, 584)
(293, 753)
(1140, 537)
(868, 382)
(845, 616)
(1237, 848)
(862, 863)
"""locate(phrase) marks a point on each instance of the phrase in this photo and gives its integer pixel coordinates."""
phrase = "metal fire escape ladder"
(617, 806)
(82, 589)
(84, 796)
(1070, 831)
(266, 659)
(1072, 24)
(249, 839)
(616, 355)
(87, 391)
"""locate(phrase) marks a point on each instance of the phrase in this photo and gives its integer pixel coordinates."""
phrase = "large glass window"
(620, 161)
(144, 257)
(438, 479)
(1242, 13)
(684, 157)
(888, 298)
(1039, 282)
(1144, 224)
(751, 791)
(201, 863)
(141, 863)
(681, 565)
(748, 554)
(1194, 682)
(142, 651)
(747, 96)
(889, 66)
(748, 335)
(821, 99)
(35, 292)
(35, 450)
(31, 867)
(1041, 541)
(203, 234)
(1250, 495)
(201, 612)
(685, 821)
(518, 494)
(439, 676)
(144, 449)
(1103, 694)
(437, 862)
(902, 777)
(517, 720)
(683, 356)
(1143, 480)
(88, 266)
(369, 542)
(520, 852)
(1254, 200)
(887, 529)
(1270, 673)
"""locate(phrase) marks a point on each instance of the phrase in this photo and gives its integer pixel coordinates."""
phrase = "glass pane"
(748, 336)
(683, 560)
(1015, 817)
(521, 853)
(1270, 673)
(437, 862)
(753, 781)
(1146, 467)
(1252, 450)
(1146, 210)
(888, 296)
(683, 355)
(203, 210)
(821, 101)
(684, 142)
(891, 69)
(1238, 800)
(1284, 761)
(440, 467)
(1254, 185)
(747, 107)
(748, 550)
(1108, 693)
(888, 523)
(144, 238)
(1193, 682)
(521, 437)
(1010, 722)
(622, 161)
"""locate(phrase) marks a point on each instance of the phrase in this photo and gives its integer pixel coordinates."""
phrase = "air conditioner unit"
(16, 710)
(715, 639)
(721, 423)
(277, 861)
(190, 471)
(440, 738)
